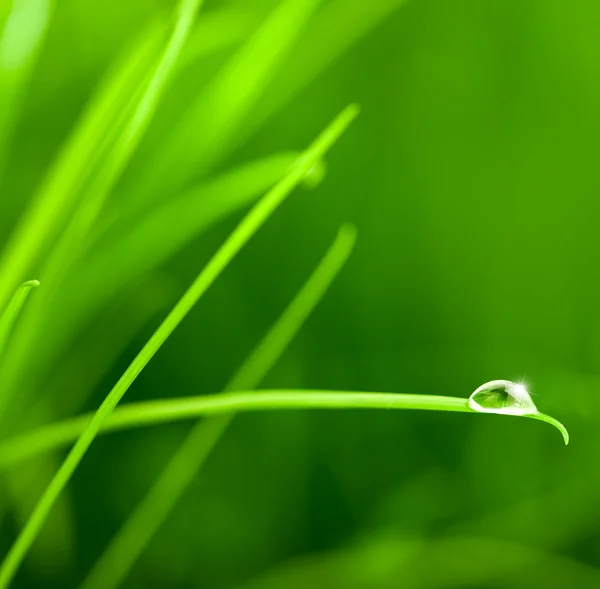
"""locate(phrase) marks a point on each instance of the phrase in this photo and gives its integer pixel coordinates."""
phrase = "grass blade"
(240, 236)
(12, 312)
(155, 412)
(210, 126)
(217, 30)
(134, 248)
(334, 30)
(20, 41)
(65, 252)
(131, 540)
(58, 190)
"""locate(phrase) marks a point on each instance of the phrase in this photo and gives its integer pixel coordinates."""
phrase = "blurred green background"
(472, 177)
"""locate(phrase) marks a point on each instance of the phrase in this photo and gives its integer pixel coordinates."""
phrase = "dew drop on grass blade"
(505, 397)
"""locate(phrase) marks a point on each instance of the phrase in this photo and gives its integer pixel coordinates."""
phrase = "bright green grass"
(249, 225)
(119, 557)
(72, 225)
(13, 310)
(167, 410)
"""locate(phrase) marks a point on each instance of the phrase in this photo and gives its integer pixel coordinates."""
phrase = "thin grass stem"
(157, 412)
(13, 310)
(230, 248)
(112, 567)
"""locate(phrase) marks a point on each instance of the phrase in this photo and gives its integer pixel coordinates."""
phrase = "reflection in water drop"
(502, 396)
(315, 175)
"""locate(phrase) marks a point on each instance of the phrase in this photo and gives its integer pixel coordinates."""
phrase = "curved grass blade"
(20, 40)
(131, 540)
(431, 563)
(334, 30)
(240, 236)
(12, 312)
(58, 190)
(65, 252)
(79, 373)
(218, 29)
(205, 132)
(134, 247)
(148, 413)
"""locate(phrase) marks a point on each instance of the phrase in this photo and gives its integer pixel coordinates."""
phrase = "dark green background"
(472, 176)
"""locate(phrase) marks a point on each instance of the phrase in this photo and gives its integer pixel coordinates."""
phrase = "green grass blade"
(240, 236)
(211, 125)
(59, 189)
(135, 247)
(70, 243)
(20, 41)
(155, 412)
(122, 151)
(218, 29)
(12, 312)
(432, 563)
(334, 30)
(131, 540)
(160, 411)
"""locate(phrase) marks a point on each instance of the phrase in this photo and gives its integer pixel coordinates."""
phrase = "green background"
(472, 177)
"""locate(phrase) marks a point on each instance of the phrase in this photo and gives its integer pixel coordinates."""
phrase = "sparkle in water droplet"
(502, 396)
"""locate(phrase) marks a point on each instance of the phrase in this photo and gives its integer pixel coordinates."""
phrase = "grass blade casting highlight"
(73, 165)
(136, 247)
(21, 38)
(117, 560)
(234, 243)
(210, 126)
(169, 410)
(12, 312)
(69, 246)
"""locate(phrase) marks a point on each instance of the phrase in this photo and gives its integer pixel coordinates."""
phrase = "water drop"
(510, 398)
(502, 396)
(315, 175)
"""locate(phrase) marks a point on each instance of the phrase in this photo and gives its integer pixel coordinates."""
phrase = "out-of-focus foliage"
(471, 175)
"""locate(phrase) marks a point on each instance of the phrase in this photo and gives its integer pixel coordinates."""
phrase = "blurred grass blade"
(217, 30)
(58, 190)
(80, 372)
(65, 252)
(127, 143)
(131, 540)
(134, 247)
(20, 42)
(380, 559)
(209, 127)
(334, 30)
(236, 241)
(103, 344)
(56, 546)
(12, 312)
